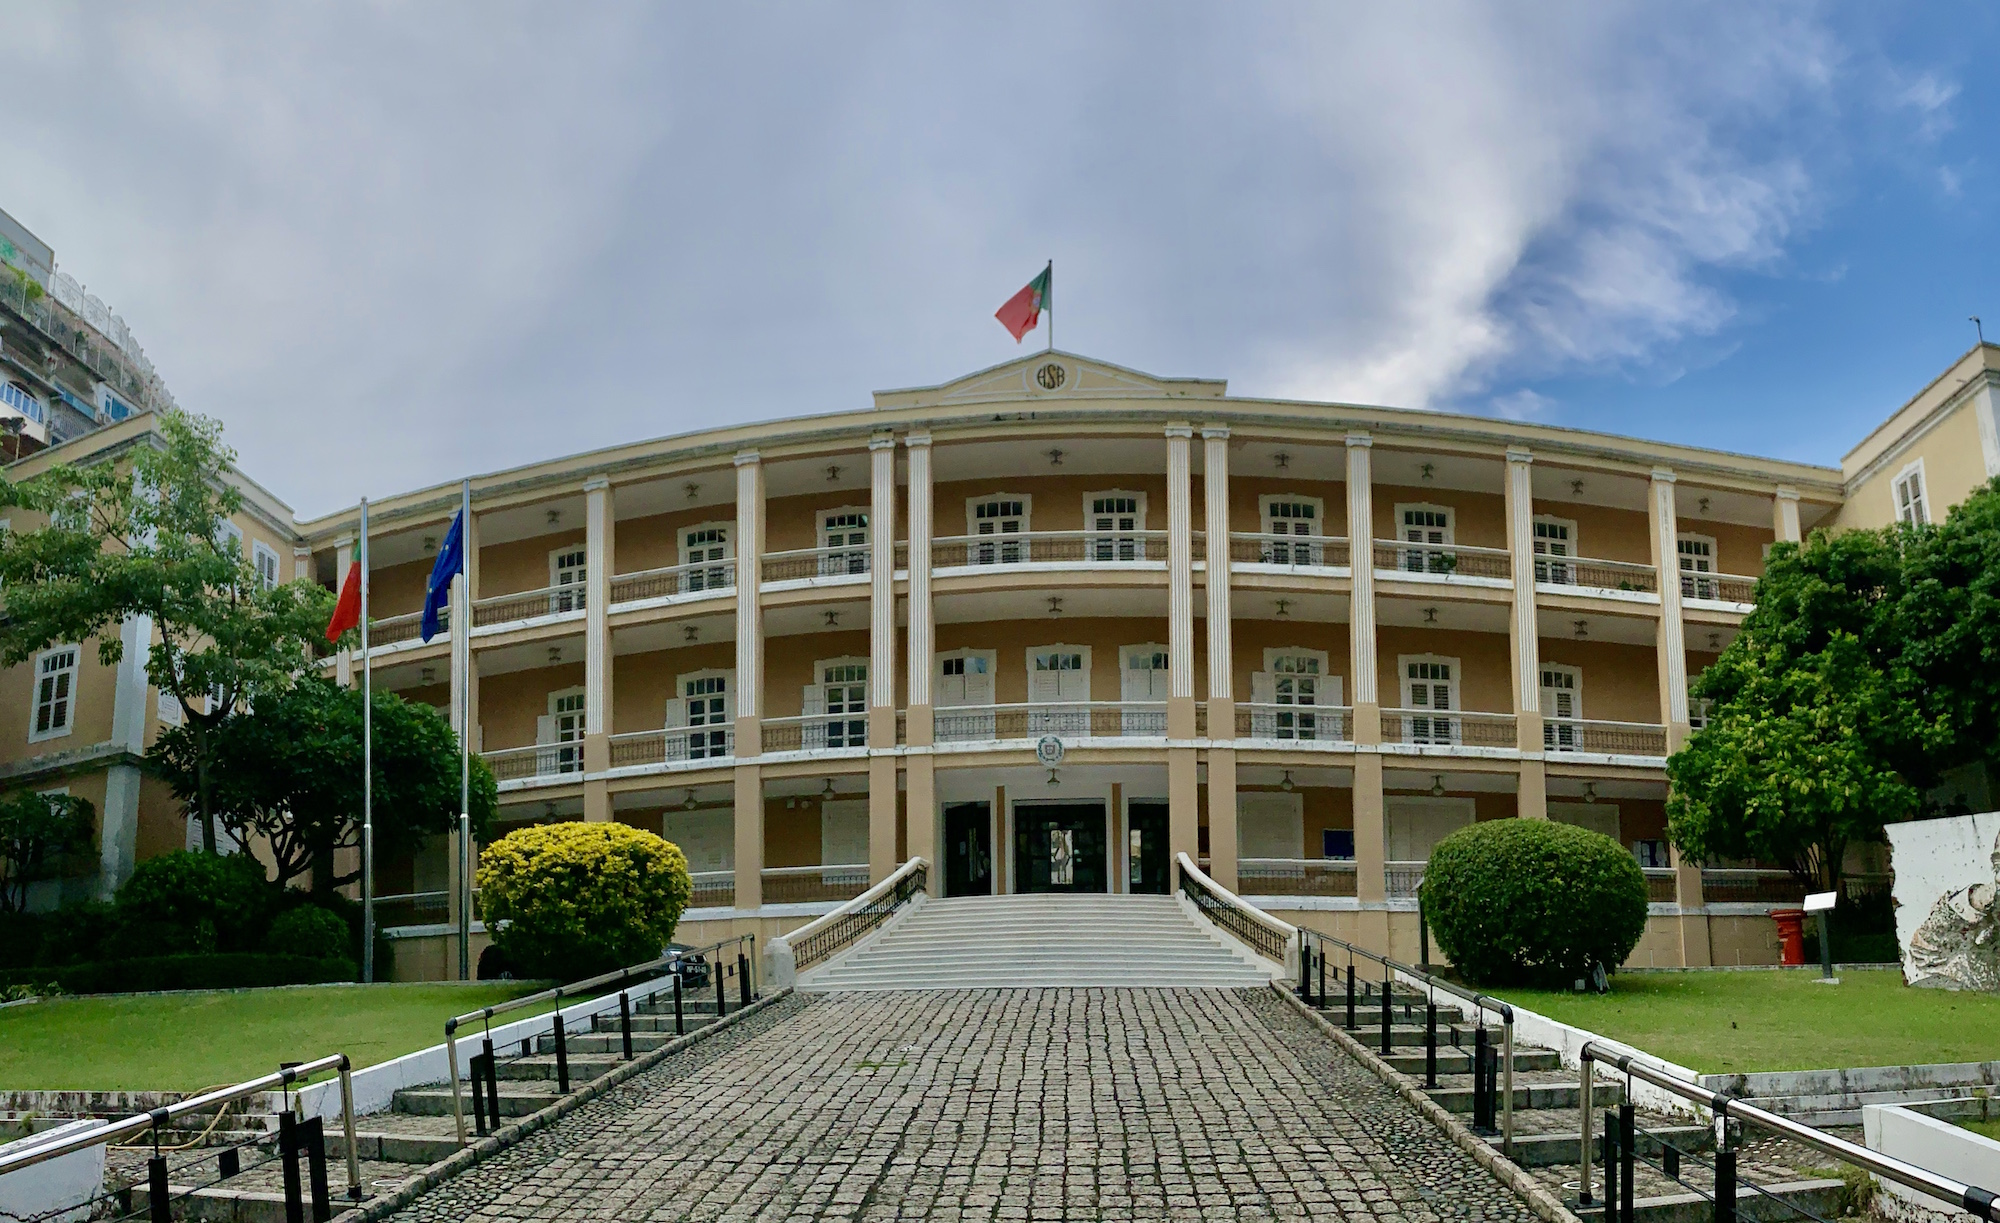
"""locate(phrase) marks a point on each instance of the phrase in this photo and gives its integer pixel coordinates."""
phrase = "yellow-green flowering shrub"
(566, 901)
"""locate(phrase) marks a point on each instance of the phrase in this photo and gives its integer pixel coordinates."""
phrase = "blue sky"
(390, 245)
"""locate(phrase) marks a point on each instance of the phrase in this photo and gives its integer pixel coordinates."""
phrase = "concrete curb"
(485, 1148)
(1504, 1170)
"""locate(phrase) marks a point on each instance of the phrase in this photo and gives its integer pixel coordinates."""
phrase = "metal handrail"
(139, 1123)
(1978, 1202)
(622, 976)
(1434, 983)
(1246, 922)
(818, 939)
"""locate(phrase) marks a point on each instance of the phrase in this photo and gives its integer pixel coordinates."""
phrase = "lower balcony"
(784, 885)
(960, 725)
(1295, 877)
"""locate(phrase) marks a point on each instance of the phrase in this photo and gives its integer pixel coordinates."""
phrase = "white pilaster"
(1785, 515)
(1521, 543)
(749, 609)
(1672, 639)
(1180, 565)
(1361, 565)
(921, 633)
(598, 525)
(882, 577)
(1215, 503)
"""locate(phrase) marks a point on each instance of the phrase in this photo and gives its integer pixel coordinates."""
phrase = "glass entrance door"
(1146, 861)
(968, 839)
(1060, 847)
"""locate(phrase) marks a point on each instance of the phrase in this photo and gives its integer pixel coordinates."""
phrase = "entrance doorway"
(968, 839)
(1060, 847)
(1146, 851)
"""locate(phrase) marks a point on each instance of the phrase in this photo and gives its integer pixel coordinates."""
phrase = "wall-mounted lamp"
(1576, 488)
(1437, 785)
(1282, 459)
(555, 516)
(555, 654)
(832, 619)
(688, 804)
(1582, 628)
(1590, 791)
(1284, 609)
(1055, 457)
(1430, 615)
(1286, 784)
(430, 675)
(828, 792)
(693, 490)
(1715, 641)
(430, 543)
(1429, 471)
(1701, 506)
(690, 631)
(832, 472)
(1055, 605)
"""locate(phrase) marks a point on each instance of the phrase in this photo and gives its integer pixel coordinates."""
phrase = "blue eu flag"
(450, 563)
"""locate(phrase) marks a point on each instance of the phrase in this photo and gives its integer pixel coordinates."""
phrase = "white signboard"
(1947, 897)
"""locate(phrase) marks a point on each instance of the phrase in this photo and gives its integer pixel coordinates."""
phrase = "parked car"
(692, 964)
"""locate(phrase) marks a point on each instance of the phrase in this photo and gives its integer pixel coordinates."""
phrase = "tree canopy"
(37, 833)
(289, 770)
(144, 534)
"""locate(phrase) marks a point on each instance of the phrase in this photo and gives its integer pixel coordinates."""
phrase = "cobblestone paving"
(1009, 1105)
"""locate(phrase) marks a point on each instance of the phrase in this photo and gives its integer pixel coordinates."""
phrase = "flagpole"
(367, 772)
(1050, 271)
(462, 631)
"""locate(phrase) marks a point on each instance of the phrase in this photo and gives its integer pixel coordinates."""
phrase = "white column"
(1531, 792)
(1671, 639)
(882, 581)
(599, 516)
(1180, 567)
(1215, 501)
(1785, 515)
(921, 633)
(749, 610)
(1361, 565)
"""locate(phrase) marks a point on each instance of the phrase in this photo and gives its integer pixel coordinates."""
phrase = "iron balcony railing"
(1403, 880)
(1257, 930)
(1596, 574)
(814, 884)
(1074, 720)
(407, 627)
(713, 890)
(1295, 877)
(811, 563)
(1085, 548)
(820, 732)
(1293, 723)
(528, 605)
(1393, 559)
(679, 745)
(1288, 551)
(1448, 728)
(1751, 885)
(1718, 587)
(543, 760)
(702, 577)
(1662, 885)
(1606, 738)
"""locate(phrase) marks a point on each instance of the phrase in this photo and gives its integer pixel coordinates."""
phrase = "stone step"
(583, 1067)
(1459, 1061)
(1559, 1149)
(1526, 1095)
(656, 1023)
(613, 1042)
(393, 1147)
(517, 1099)
(1820, 1197)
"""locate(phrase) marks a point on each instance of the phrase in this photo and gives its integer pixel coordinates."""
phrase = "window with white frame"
(265, 558)
(55, 693)
(844, 535)
(964, 697)
(1429, 693)
(1562, 705)
(1912, 505)
(1429, 529)
(559, 734)
(1697, 560)
(837, 701)
(1142, 686)
(1287, 696)
(569, 571)
(1555, 543)
(168, 706)
(1292, 517)
(992, 520)
(229, 537)
(707, 549)
(1059, 690)
(1115, 521)
(700, 717)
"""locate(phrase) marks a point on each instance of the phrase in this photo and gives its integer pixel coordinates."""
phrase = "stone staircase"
(418, 1129)
(1546, 1134)
(1043, 941)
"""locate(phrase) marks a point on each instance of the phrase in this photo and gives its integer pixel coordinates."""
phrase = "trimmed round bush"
(195, 903)
(1533, 902)
(309, 931)
(566, 901)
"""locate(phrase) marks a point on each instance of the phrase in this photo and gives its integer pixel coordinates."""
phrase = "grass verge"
(187, 1041)
(1733, 1022)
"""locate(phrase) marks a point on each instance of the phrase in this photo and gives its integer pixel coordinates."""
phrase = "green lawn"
(1987, 1129)
(1722, 1022)
(183, 1042)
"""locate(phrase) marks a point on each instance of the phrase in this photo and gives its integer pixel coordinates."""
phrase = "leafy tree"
(1948, 624)
(142, 536)
(288, 771)
(38, 831)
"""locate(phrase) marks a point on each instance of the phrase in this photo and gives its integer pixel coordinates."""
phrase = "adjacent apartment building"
(1053, 622)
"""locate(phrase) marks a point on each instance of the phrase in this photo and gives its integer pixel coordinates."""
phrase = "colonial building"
(1053, 622)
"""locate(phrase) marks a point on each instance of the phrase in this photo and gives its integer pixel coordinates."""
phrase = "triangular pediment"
(1053, 375)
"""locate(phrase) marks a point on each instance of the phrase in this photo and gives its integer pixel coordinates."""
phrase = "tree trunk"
(201, 784)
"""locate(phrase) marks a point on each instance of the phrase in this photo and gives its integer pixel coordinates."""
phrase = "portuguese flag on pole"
(1024, 309)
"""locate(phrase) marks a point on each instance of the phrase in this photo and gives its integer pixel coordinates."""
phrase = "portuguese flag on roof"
(1024, 309)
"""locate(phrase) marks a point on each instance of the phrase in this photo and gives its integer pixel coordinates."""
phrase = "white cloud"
(1523, 404)
(390, 245)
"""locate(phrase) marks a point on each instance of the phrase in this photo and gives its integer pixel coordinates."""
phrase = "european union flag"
(450, 563)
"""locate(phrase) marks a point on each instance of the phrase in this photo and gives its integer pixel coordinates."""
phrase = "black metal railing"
(1249, 927)
(1628, 1145)
(726, 961)
(822, 939)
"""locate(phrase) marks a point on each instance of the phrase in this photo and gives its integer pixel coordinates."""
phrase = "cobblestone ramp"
(1059, 1104)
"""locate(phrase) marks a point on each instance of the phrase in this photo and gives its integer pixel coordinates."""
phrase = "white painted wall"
(1933, 1145)
(1933, 858)
(66, 1181)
